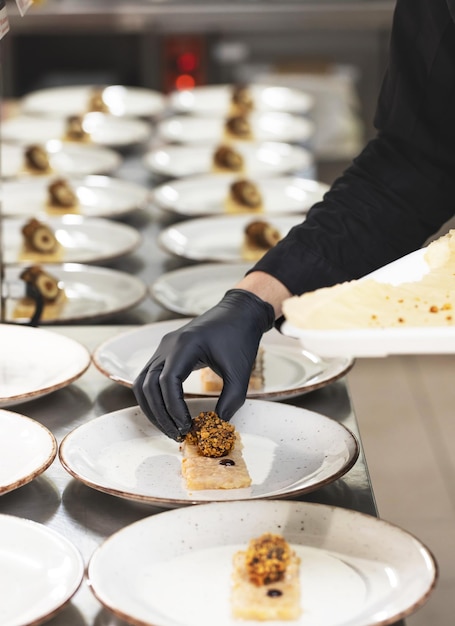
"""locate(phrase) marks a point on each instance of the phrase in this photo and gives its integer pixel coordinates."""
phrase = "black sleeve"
(400, 190)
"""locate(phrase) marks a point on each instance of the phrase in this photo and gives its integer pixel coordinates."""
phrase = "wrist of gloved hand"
(224, 338)
(262, 311)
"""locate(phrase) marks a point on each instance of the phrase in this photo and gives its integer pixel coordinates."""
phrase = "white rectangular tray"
(376, 342)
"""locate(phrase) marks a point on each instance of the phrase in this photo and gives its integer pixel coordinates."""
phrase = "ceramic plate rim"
(187, 271)
(280, 221)
(169, 325)
(94, 181)
(293, 489)
(29, 105)
(45, 461)
(175, 96)
(59, 384)
(86, 269)
(69, 222)
(70, 550)
(285, 178)
(284, 511)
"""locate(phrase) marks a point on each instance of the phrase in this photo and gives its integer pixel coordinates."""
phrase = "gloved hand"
(225, 338)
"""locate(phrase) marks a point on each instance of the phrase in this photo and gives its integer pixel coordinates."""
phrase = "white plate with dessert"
(284, 371)
(40, 571)
(71, 292)
(234, 238)
(97, 129)
(225, 99)
(56, 158)
(35, 362)
(214, 195)
(117, 100)
(405, 307)
(27, 449)
(354, 570)
(88, 196)
(193, 290)
(262, 158)
(265, 126)
(66, 239)
(124, 454)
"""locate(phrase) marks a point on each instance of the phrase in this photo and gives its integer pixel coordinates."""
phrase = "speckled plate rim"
(73, 359)
(83, 281)
(216, 99)
(30, 539)
(45, 449)
(133, 426)
(359, 545)
(109, 358)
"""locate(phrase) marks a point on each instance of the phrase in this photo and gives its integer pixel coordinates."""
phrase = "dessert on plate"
(259, 236)
(227, 159)
(36, 160)
(266, 580)
(52, 292)
(96, 101)
(211, 382)
(39, 243)
(238, 127)
(212, 455)
(241, 100)
(243, 196)
(74, 129)
(61, 197)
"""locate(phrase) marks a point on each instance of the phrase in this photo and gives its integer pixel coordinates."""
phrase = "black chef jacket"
(401, 189)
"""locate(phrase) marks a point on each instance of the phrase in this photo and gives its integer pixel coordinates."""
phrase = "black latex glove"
(225, 338)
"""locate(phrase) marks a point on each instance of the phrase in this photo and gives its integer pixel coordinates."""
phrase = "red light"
(184, 81)
(187, 62)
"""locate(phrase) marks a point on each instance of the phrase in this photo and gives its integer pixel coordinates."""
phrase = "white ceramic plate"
(217, 238)
(260, 158)
(27, 448)
(98, 196)
(356, 570)
(103, 130)
(193, 290)
(35, 362)
(380, 342)
(66, 159)
(206, 194)
(92, 292)
(216, 99)
(288, 370)
(82, 240)
(270, 126)
(75, 100)
(287, 450)
(40, 571)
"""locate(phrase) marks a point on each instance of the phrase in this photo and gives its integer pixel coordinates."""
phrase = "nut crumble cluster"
(267, 558)
(213, 436)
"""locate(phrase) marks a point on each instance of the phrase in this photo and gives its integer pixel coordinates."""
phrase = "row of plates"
(120, 132)
(44, 115)
(263, 158)
(86, 240)
(383, 582)
(140, 102)
(289, 371)
(107, 196)
(356, 570)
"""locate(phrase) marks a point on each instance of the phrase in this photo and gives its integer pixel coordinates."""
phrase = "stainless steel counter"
(86, 516)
